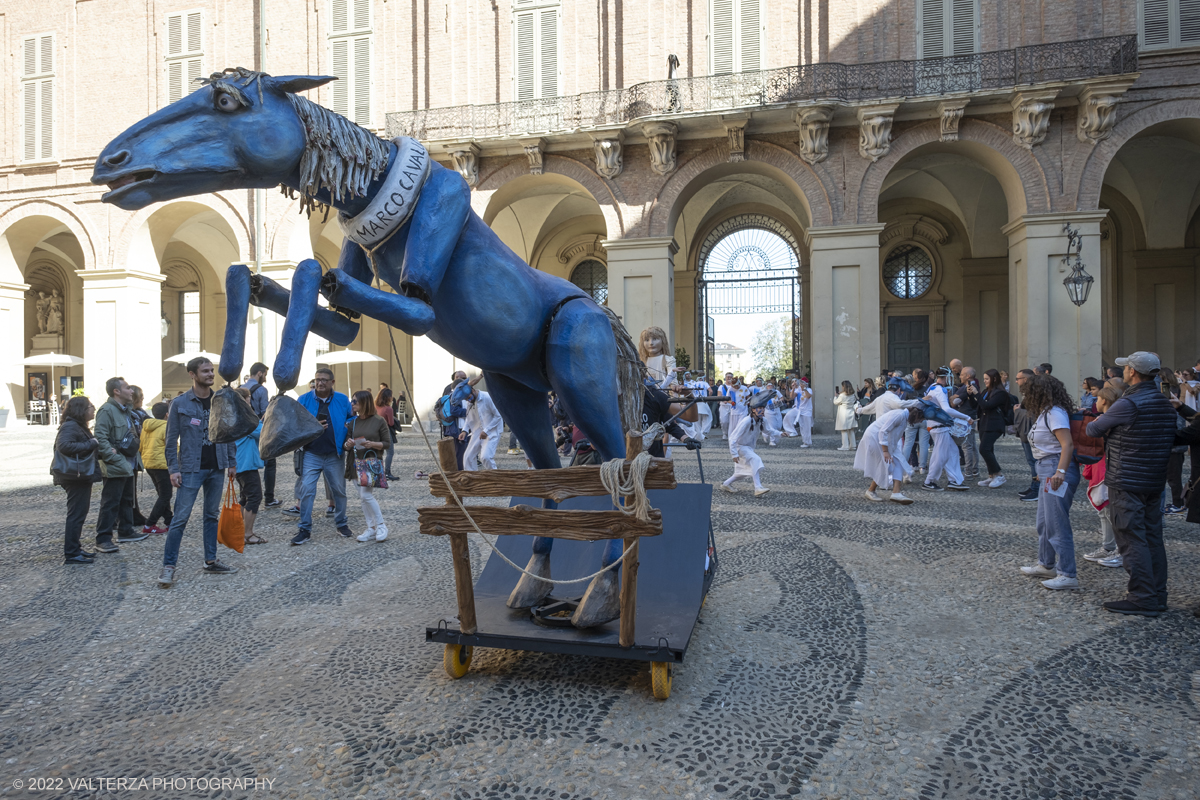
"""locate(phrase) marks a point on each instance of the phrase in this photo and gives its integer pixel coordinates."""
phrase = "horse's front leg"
(411, 315)
(437, 223)
(237, 308)
(302, 308)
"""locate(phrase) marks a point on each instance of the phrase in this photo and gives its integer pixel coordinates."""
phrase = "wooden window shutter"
(526, 71)
(751, 35)
(362, 15)
(340, 16)
(341, 70)
(46, 55)
(46, 118)
(175, 35)
(548, 46)
(31, 58)
(194, 32)
(37, 98)
(721, 41)
(933, 28)
(362, 80)
(31, 118)
(1189, 21)
(962, 26)
(1156, 24)
(174, 80)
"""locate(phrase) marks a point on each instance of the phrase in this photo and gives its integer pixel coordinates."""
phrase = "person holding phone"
(323, 456)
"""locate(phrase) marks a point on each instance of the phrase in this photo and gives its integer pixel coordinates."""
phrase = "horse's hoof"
(531, 592)
(601, 602)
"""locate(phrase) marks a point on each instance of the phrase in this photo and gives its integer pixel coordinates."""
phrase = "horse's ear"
(298, 83)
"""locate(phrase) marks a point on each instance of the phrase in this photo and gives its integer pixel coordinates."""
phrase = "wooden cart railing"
(547, 484)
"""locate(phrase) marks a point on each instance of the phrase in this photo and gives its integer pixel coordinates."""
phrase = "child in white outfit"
(747, 464)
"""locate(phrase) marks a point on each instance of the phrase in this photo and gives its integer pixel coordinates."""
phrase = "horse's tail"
(631, 374)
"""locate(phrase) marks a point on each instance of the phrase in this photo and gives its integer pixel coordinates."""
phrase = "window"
(185, 53)
(592, 276)
(1169, 23)
(37, 90)
(947, 27)
(350, 55)
(535, 45)
(908, 272)
(736, 38)
(189, 316)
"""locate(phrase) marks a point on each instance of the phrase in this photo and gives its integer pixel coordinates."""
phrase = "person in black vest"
(1139, 431)
(75, 440)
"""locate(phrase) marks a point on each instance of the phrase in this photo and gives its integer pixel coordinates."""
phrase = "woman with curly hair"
(1049, 404)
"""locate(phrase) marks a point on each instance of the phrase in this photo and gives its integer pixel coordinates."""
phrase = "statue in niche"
(54, 314)
(43, 311)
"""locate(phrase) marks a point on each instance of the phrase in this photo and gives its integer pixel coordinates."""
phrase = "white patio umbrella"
(347, 357)
(184, 358)
(52, 360)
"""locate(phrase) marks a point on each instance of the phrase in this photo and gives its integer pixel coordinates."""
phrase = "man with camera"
(118, 442)
(323, 456)
(966, 400)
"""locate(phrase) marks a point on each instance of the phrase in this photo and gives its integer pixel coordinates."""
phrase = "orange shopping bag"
(231, 530)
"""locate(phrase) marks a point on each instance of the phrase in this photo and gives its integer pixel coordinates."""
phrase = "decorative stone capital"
(813, 123)
(535, 149)
(875, 130)
(466, 161)
(609, 162)
(735, 129)
(951, 113)
(1031, 117)
(590, 245)
(915, 226)
(661, 138)
(1098, 111)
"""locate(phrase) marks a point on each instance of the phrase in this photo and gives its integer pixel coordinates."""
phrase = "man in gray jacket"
(114, 423)
(195, 463)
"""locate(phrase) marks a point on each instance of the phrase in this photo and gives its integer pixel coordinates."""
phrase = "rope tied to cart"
(620, 483)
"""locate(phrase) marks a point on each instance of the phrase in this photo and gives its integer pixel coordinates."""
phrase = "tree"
(772, 348)
(682, 359)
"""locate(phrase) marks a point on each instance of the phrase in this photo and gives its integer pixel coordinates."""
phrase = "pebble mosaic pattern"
(847, 649)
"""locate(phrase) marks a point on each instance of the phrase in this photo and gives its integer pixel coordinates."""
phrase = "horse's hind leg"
(237, 305)
(528, 416)
(302, 308)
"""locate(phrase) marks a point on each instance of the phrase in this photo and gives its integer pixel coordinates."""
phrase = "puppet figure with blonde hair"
(652, 349)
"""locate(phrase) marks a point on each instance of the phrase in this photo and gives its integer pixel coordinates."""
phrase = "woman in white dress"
(846, 423)
(652, 349)
(879, 457)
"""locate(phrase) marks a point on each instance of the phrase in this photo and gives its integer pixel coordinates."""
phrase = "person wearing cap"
(746, 461)
(1138, 431)
(945, 453)
(725, 409)
(799, 418)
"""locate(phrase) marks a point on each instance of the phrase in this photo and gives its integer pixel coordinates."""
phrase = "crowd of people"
(1125, 438)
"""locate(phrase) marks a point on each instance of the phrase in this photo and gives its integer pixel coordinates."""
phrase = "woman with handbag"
(368, 437)
(75, 469)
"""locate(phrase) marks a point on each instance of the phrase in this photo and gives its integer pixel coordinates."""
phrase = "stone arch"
(1091, 179)
(69, 217)
(604, 192)
(1019, 173)
(217, 203)
(818, 199)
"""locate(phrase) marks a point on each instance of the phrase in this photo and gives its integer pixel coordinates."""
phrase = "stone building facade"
(922, 157)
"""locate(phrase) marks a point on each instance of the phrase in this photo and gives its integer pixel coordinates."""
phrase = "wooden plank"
(521, 520)
(629, 571)
(551, 484)
(464, 584)
(446, 455)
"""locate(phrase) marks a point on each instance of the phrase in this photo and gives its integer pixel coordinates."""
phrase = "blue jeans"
(1056, 543)
(212, 481)
(912, 434)
(1033, 472)
(334, 468)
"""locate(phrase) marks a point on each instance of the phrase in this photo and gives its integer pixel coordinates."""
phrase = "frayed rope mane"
(339, 156)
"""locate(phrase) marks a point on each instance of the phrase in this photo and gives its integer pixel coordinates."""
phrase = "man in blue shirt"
(324, 455)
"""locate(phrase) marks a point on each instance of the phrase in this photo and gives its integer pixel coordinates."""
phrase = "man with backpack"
(1139, 431)
(450, 410)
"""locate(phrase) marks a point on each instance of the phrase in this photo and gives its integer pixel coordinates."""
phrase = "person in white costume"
(746, 463)
(879, 457)
(652, 349)
(725, 409)
(889, 400)
(741, 395)
(798, 421)
(945, 453)
(698, 430)
(486, 427)
(773, 420)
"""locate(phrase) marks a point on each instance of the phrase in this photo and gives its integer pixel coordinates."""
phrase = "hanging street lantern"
(1079, 282)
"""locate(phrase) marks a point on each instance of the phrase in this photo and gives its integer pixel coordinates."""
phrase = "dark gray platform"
(672, 583)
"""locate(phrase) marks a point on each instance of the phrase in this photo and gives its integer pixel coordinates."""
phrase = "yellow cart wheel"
(660, 679)
(457, 660)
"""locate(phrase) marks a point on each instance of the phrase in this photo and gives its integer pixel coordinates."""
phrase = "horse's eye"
(225, 102)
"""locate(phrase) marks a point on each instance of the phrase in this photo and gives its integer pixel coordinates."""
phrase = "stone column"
(689, 330)
(12, 350)
(641, 286)
(844, 271)
(1044, 324)
(121, 316)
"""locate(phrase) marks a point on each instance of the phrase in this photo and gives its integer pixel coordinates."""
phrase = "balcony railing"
(845, 83)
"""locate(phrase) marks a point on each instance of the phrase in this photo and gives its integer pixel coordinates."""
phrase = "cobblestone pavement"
(848, 649)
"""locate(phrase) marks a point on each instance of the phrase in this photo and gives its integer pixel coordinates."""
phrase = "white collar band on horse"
(393, 204)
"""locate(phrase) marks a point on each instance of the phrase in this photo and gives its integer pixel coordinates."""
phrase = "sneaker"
(803, 445)
(167, 577)
(345, 532)
(107, 547)
(726, 487)
(761, 492)
(155, 530)
(512, 451)
(985, 483)
(1029, 495)
(329, 511)
(907, 478)
(132, 536)
(843, 449)
(1129, 607)
(86, 554)
(303, 537)
(79, 558)
(872, 496)
(1174, 509)
(1039, 571)
(367, 536)
(1112, 561)
(1061, 582)
(1100, 555)
(381, 533)
(773, 444)
(294, 511)
(218, 568)
(273, 503)
(997, 482)
(931, 487)
(897, 497)
(958, 487)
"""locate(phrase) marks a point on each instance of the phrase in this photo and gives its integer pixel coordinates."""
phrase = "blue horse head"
(241, 130)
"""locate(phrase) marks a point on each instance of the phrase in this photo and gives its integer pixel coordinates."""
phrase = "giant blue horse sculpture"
(408, 223)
